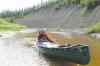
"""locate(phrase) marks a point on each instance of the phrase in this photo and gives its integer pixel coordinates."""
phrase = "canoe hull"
(76, 54)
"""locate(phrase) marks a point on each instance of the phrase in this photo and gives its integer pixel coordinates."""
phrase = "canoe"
(77, 53)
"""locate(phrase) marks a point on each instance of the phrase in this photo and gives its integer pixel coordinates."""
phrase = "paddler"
(43, 37)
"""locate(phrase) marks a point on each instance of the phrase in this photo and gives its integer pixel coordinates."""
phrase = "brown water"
(14, 53)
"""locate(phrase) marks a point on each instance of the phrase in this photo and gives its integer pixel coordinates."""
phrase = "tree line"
(88, 4)
(16, 14)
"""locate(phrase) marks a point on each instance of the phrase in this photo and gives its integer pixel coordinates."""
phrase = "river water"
(14, 53)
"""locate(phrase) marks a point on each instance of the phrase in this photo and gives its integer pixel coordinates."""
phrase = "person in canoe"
(44, 40)
(43, 37)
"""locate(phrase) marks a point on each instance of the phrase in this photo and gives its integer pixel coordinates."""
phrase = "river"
(14, 53)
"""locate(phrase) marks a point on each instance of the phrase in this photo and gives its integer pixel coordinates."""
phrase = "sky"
(17, 4)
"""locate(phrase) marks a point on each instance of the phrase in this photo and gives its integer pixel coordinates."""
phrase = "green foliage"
(57, 4)
(87, 6)
(7, 26)
(86, 2)
(94, 28)
(10, 19)
(85, 12)
(82, 3)
(17, 14)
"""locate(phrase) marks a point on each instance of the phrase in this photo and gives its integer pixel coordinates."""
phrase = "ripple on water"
(16, 55)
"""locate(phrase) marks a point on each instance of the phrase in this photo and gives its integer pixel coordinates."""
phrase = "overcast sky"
(16, 4)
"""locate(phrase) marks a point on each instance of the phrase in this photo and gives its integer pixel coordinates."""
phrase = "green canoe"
(78, 53)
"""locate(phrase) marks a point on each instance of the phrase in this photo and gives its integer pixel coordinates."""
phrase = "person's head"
(42, 32)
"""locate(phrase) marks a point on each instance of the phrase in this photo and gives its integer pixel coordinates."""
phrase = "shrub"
(94, 28)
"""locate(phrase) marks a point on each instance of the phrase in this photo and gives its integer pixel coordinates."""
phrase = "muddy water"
(14, 53)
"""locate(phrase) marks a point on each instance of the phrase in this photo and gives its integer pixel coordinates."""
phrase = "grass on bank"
(95, 28)
(8, 26)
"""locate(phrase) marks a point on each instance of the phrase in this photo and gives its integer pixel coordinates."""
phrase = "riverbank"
(8, 26)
